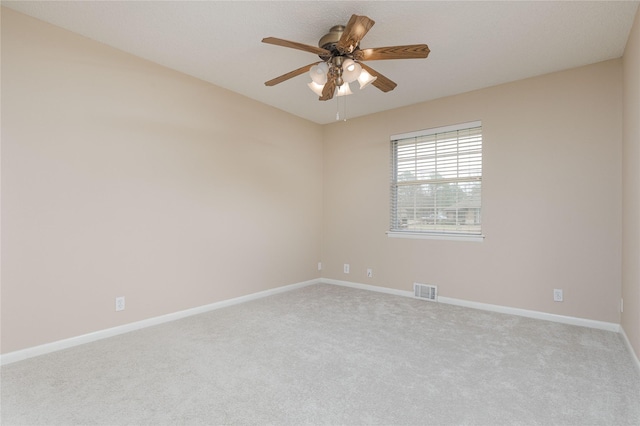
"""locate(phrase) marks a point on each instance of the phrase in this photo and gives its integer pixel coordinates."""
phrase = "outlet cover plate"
(120, 303)
(557, 295)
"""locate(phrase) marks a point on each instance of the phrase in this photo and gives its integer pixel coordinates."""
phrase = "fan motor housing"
(330, 40)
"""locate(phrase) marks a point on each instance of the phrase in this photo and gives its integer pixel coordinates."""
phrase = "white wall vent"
(426, 292)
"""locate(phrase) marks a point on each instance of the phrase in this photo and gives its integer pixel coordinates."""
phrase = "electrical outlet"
(346, 268)
(369, 273)
(557, 295)
(621, 305)
(120, 303)
(319, 266)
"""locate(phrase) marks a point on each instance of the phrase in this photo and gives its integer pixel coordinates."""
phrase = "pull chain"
(345, 108)
(338, 106)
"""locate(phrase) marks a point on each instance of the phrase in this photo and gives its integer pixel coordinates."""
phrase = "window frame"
(439, 234)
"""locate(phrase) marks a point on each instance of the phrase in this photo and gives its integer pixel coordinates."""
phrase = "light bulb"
(317, 88)
(318, 73)
(344, 90)
(365, 79)
(350, 70)
(348, 65)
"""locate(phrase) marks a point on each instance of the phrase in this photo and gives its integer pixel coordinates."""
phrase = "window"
(436, 182)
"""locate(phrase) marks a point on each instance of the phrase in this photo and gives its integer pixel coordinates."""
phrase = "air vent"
(426, 292)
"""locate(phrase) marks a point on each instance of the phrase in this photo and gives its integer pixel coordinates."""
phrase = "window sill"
(435, 236)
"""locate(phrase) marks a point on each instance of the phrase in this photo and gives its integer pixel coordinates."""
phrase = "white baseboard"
(369, 287)
(23, 354)
(110, 332)
(601, 325)
(633, 353)
(583, 322)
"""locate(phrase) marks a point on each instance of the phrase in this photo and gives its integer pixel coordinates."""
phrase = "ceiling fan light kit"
(350, 70)
(365, 79)
(342, 60)
(344, 90)
(316, 87)
(319, 73)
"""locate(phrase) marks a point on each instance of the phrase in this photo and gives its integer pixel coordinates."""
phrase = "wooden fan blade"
(411, 51)
(328, 90)
(382, 82)
(291, 74)
(294, 45)
(355, 30)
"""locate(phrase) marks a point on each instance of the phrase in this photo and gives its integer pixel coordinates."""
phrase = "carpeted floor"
(326, 354)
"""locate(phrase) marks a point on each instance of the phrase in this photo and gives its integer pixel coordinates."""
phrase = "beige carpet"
(332, 355)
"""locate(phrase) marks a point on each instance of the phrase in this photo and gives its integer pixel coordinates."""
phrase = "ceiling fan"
(342, 59)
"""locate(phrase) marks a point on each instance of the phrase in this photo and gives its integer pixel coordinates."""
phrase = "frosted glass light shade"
(365, 79)
(344, 90)
(317, 88)
(350, 70)
(318, 73)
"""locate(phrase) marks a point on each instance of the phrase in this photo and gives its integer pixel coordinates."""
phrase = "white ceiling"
(473, 44)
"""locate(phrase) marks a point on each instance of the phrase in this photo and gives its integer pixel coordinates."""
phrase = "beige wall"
(120, 177)
(123, 178)
(631, 189)
(551, 197)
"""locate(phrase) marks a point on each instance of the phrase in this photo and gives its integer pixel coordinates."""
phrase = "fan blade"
(382, 82)
(355, 30)
(328, 90)
(294, 45)
(291, 74)
(412, 51)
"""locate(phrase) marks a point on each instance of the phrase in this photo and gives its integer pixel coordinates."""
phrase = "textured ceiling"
(473, 44)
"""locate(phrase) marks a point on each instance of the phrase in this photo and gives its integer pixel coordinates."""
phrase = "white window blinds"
(436, 180)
